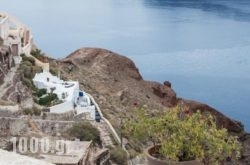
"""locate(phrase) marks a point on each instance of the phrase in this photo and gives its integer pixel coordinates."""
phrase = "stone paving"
(104, 133)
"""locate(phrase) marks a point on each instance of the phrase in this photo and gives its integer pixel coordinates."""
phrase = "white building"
(12, 158)
(67, 91)
(15, 35)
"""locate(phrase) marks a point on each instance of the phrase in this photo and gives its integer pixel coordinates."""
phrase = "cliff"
(118, 87)
(11, 86)
(5, 61)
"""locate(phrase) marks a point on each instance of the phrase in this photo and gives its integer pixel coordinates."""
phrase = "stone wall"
(13, 127)
(1, 39)
(18, 126)
(5, 62)
(53, 128)
(67, 116)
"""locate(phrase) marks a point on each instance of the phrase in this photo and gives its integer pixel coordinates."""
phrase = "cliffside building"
(67, 91)
(15, 35)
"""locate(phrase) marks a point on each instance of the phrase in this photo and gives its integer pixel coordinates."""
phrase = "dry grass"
(5, 103)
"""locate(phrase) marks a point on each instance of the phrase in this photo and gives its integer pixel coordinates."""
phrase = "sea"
(201, 46)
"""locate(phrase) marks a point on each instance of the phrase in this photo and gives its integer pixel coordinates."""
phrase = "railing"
(113, 132)
(102, 157)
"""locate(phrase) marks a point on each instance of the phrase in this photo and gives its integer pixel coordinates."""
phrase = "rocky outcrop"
(104, 61)
(167, 83)
(11, 86)
(165, 92)
(12, 89)
(117, 85)
(221, 120)
(5, 62)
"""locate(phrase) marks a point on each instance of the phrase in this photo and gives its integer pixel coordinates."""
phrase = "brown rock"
(117, 79)
(221, 120)
(5, 62)
(167, 83)
(166, 93)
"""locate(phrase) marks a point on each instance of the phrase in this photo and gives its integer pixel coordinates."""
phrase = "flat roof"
(2, 17)
(60, 85)
(78, 151)
(16, 159)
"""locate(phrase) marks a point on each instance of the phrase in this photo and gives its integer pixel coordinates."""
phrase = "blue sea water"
(202, 47)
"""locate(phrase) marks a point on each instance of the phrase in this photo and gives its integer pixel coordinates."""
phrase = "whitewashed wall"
(61, 108)
(89, 109)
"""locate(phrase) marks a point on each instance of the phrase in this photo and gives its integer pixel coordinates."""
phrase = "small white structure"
(77, 153)
(67, 91)
(12, 158)
(15, 35)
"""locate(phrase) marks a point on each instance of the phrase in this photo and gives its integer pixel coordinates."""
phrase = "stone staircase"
(104, 133)
(12, 87)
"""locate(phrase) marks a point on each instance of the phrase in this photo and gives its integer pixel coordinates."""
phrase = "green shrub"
(53, 71)
(184, 135)
(27, 111)
(25, 66)
(30, 59)
(22, 55)
(26, 63)
(41, 92)
(85, 132)
(44, 115)
(118, 155)
(29, 74)
(32, 111)
(132, 153)
(39, 55)
(37, 69)
(36, 52)
(46, 101)
(27, 69)
(36, 111)
(27, 82)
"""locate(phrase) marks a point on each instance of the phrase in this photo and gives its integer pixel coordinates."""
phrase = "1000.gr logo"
(35, 145)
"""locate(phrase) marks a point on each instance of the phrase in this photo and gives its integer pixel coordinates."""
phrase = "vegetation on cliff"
(118, 87)
(29, 69)
(118, 155)
(85, 132)
(116, 84)
(183, 135)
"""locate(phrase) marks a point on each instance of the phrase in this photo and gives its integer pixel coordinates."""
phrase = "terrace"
(77, 153)
(68, 92)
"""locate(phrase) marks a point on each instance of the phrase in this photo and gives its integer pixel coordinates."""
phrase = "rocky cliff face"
(12, 89)
(117, 85)
(5, 62)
